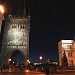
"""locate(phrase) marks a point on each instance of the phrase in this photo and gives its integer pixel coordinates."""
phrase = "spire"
(21, 8)
(24, 10)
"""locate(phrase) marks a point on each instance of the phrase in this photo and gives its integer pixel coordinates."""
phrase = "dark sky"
(51, 21)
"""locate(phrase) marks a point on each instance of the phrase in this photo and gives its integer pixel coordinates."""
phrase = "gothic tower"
(16, 33)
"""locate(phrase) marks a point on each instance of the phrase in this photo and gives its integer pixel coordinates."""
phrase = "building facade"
(16, 34)
(67, 47)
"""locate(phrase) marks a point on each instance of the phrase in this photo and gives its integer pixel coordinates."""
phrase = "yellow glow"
(27, 60)
(26, 70)
(40, 57)
(9, 59)
(1, 9)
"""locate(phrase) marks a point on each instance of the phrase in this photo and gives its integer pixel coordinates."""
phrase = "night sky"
(51, 21)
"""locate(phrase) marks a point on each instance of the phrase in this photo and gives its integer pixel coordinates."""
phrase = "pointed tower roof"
(21, 8)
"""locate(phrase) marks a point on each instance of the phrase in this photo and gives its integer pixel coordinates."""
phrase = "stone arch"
(11, 54)
(14, 53)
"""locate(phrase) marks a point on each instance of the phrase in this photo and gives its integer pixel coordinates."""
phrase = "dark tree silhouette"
(64, 60)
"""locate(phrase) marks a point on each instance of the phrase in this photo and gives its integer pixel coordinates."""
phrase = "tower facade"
(67, 46)
(16, 34)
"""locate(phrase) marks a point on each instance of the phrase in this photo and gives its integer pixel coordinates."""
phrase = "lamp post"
(28, 63)
(41, 63)
(9, 60)
(40, 59)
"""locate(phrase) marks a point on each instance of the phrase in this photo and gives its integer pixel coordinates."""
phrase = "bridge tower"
(16, 34)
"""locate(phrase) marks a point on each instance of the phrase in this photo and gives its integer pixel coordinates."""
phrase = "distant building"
(37, 63)
(66, 47)
(50, 61)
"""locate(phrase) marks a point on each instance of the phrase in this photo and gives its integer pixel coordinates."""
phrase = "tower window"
(23, 27)
(69, 54)
(71, 62)
(13, 27)
(69, 46)
(20, 27)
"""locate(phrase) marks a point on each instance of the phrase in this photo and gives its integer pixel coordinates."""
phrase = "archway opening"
(16, 59)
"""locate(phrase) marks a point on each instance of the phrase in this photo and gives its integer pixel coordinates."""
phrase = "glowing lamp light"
(1, 16)
(9, 59)
(40, 57)
(28, 61)
(1, 9)
(26, 70)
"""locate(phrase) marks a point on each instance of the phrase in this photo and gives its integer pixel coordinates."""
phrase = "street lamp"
(41, 63)
(40, 57)
(9, 60)
(13, 62)
(28, 63)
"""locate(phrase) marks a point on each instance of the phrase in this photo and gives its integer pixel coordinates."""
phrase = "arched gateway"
(16, 34)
